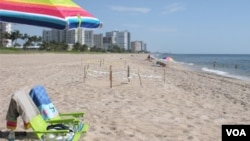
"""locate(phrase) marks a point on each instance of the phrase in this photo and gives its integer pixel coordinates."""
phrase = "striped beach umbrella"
(168, 58)
(57, 14)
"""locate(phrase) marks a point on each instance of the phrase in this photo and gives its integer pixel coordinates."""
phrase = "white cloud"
(130, 9)
(172, 8)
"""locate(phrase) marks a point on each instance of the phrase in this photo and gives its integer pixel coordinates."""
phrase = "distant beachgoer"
(214, 64)
(161, 64)
(236, 66)
(148, 58)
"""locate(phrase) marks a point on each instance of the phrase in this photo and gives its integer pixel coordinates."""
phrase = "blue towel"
(41, 99)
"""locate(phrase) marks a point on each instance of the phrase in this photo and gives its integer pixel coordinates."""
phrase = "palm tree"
(5, 35)
(76, 46)
(64, 46)
(83, 48)
(25, 37)
(15, 35)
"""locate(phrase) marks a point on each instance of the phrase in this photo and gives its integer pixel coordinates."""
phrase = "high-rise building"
(107, 42)
(89, 38)
(47, 36)
(70, 36)
(138, 46)
(5, 28)
(119, 38)
(74, 36)
(98, 41)
(145, 47)
(54, 35)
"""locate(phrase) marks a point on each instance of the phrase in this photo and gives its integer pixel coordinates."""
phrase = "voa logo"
(236, 132)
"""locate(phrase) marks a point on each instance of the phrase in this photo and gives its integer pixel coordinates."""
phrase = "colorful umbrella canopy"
(168, 58)
(57, 14)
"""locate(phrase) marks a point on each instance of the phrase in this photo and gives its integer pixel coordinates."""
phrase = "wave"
(223, 73)
(189, 64)
(214, 71)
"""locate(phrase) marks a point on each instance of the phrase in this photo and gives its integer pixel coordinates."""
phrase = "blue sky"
(187, 26)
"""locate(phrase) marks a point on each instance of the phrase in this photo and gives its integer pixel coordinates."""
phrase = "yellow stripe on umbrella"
(79, 20)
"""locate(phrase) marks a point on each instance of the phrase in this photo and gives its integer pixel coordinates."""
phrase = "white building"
(54, 35)
(98, 41)
(74, 36)
(138, 46)
(70, 36)
(89, 38)
(47, 36)
(119, 38)
(5, 28)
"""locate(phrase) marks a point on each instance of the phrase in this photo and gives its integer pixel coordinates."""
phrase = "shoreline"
(228, 65)
(190, 105)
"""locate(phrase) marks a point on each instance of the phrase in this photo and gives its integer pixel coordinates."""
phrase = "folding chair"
(22, 105)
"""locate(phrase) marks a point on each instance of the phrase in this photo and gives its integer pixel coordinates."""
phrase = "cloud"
(130, 9)
(172, 8)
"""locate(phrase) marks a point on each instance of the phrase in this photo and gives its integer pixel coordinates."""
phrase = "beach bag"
(53, 137)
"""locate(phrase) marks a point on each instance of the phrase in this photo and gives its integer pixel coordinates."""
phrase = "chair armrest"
(52, 131)
(76, 114)
(70, 120)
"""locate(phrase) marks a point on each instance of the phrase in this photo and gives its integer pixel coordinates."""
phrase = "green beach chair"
(22, 105)
(47, 109)
(40, 128)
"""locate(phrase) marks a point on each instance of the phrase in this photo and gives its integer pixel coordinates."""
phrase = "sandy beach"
(186, 105)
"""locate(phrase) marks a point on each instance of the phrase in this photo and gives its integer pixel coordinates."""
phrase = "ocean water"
(233, 65)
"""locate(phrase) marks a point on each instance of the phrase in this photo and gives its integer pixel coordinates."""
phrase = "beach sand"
(185, 106)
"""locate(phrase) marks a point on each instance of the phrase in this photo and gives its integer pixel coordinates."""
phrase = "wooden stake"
(139, 77)
(84, 74)
(128, 74)
(110, 76)
(164, 76)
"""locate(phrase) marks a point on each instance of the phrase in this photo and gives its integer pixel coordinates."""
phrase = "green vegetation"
(28, 40)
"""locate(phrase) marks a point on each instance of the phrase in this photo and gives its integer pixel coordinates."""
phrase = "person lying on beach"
(161, 64)
(149, 58)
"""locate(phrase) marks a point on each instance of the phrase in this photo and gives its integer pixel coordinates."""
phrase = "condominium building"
(5, 28)
(98, 41)
(107, 42)
(89, 38)
(119, 38)
(47, 36)
(75, 36)
(70, 36)
(138, 46)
